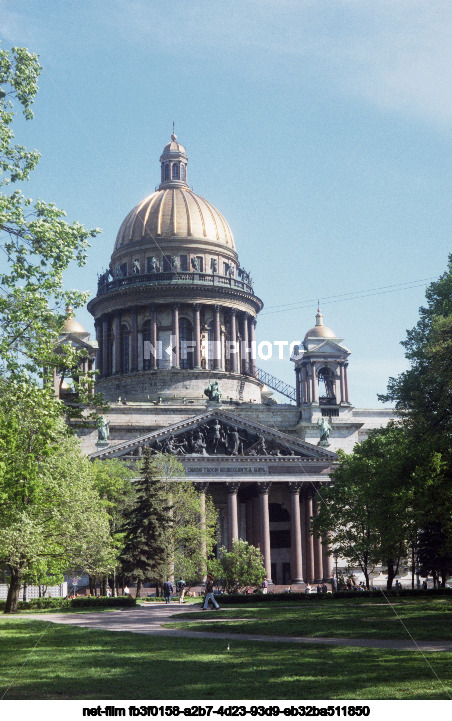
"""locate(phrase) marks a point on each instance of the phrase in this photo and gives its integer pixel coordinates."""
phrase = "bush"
(39, 603)
(58, 604)
(102, 602)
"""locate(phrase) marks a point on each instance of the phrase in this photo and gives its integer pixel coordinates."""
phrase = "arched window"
(327, 392)
(167, 171)
(182, 172)
(176, 171)
(146, 331)
(125, 345)
(185, 344)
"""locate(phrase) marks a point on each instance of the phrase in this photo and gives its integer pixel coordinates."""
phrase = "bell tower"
(321, 372)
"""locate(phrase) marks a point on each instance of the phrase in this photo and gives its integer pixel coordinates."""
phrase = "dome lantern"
(173, 163)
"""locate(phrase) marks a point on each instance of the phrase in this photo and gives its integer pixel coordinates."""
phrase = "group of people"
(168, 590)
(321, 588)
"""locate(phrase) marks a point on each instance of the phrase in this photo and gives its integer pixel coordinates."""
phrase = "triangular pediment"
(329, 347)
(77, 342)
(219, 433)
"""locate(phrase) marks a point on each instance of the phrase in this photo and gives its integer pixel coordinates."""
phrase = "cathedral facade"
(175, 317)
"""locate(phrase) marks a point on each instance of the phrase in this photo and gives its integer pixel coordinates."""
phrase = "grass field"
(428, 620)
(39, 660)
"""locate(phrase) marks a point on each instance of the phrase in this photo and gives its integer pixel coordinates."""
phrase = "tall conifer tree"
(147, 525)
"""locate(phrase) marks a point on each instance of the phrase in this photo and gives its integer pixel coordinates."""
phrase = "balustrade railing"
(192, 277)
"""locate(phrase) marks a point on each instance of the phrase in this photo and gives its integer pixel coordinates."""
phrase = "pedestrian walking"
(209, 594)
(180, 586)
(265, 586)
(168, 590)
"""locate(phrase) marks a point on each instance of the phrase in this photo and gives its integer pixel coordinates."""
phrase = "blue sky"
(321, 131)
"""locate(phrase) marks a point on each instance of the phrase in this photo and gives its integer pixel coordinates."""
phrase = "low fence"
(27, 593)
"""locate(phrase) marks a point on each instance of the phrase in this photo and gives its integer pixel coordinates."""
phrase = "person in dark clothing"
(209, 593)
(168, 590)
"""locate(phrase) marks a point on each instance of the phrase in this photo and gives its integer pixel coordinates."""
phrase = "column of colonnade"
(309, 557)
(242, 353)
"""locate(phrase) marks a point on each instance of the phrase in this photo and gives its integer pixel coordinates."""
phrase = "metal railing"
(276, 384)
(191, 277)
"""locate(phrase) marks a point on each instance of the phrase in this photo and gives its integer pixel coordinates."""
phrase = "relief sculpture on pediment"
(217, 438)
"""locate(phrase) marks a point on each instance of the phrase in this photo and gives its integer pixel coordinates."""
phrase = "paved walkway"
(151, 620)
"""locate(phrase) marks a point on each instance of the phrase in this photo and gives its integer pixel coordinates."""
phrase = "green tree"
(113, 482)
(37, 243)
(368, 512)
(167, 530)
(194, 531)
(51, 516)
(148, 522)
(423, 395)
(241, 567)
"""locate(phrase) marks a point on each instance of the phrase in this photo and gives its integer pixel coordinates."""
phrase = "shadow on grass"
(61, 662)
(395, 621)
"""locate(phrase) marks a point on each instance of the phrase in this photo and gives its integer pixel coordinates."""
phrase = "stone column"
(298, 386)
(175, 332)
(233, 515)
(134, 341)
(98, 327)
(56, 382)
(315, 388)
(341, 383)
(197, 336)
(244, 351)
(105, 348)
(307, 384)
(234, 363)
(202, 488)
(252, 337)
(309, 570)
(295, 533)
(327, 560)
(347, 399)
(318, 559)
(117, 344)
(264, 489)
(217, 365)
(154, 338)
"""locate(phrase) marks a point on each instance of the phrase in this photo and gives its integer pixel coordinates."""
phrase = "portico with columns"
(262, 481)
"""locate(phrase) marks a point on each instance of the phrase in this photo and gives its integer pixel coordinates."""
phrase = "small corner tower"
(321, 373)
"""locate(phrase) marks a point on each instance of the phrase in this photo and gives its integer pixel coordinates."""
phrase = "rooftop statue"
(103, 431)
(325, 430)
(213, 392)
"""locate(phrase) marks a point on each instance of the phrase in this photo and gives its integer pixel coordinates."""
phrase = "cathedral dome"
(174, 211)
(320, 330)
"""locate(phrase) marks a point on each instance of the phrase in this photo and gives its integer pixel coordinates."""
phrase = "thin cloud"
(397, 55)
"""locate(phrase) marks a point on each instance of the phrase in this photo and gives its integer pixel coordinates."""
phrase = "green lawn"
(39, 660)
(427, 620)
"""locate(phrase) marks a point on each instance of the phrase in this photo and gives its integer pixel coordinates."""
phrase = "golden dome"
(320, 330)
(71, 325)
(172, 213)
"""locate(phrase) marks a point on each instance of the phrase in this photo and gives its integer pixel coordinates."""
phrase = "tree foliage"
(166, 530)
(148, 523)
(423, 395)
(370, 511)
(37, 243)
(51, 516)
(241, 567)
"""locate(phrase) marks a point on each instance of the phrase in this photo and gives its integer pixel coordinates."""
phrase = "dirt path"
(150, 620)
